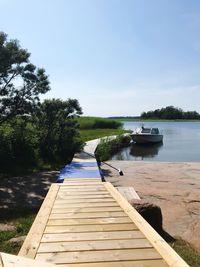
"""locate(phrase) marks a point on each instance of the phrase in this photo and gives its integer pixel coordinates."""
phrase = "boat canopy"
(150, 130)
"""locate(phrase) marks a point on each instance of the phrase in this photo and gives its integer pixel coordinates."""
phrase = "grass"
(22, 221)
(87, 135)
(187, 252)
(98, 123)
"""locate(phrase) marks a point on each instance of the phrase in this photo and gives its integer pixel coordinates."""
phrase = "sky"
(117, 57)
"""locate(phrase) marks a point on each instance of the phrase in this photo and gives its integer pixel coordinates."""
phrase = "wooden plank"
(93, 245)
(88, 159)
(83, 221)
(92, 236)
(78, 204)
(128, 192)
(81, 194)
(168, 254)
(97, 194)
(73, 215)
(141, 263)
(82, 182)
(86, 209)
(60, 200)
(31, 243)
(90, 228)
(81, 188)
(8, 260)
(83, 178)
(1, 262)
(64, 196)
(98, 256)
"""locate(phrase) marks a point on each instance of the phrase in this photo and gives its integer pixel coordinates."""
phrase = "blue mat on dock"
(74, 170)
(76, 173)
(83, 164)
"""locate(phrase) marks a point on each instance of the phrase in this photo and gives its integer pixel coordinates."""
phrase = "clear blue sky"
(117, 57)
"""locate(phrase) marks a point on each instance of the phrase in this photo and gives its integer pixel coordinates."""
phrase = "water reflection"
(181, 143)
(145, 151)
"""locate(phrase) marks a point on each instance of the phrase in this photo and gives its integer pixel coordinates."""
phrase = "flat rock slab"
(172, 186)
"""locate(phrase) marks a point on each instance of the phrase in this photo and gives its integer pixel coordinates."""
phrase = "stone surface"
(18, 241)
(4, 227)
(174, 187)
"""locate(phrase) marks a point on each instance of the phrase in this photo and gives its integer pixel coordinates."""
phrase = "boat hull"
(147, 138)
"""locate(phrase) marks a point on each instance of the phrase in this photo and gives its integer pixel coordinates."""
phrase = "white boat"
(146, 136)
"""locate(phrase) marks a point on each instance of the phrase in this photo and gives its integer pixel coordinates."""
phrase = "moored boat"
(146, 136)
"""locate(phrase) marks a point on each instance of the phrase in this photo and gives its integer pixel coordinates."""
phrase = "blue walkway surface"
(83, 164)
(77, 170)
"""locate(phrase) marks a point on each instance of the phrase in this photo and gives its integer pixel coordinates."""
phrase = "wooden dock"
(85, 222)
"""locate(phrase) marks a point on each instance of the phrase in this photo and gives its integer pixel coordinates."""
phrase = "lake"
(181, 143)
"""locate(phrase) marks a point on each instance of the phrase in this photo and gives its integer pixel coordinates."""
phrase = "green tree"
(21, 82)
(19, 145)
(59, 131)
(170, 113)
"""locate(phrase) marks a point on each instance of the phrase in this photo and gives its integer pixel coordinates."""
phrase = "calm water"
(181, 142)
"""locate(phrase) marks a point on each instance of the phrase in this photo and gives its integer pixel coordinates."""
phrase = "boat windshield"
(146, 130)
(150, 130)
(155, 131)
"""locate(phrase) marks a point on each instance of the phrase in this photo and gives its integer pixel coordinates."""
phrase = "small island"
(167, 113)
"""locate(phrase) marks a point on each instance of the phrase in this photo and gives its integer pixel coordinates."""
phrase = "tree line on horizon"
(170, 113)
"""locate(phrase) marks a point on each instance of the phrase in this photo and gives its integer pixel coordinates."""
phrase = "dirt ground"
(25, 191)
(175, 187)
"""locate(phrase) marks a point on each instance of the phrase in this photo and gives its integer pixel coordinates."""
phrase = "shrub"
(109, 147)
(19, 145)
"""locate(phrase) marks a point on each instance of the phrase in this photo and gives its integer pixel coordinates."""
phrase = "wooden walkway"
(8, 260)
(85, 222)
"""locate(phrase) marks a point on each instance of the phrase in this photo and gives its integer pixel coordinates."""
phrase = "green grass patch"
(98, 123)
(87, 135)
(22, 221)
(187, 252)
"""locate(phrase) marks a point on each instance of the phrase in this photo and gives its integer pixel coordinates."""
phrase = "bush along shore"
(108, 147)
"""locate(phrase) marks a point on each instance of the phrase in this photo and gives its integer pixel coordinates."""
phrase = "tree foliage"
(170, 113)
(32, 134)
(19, 145)
(59, 135)
(21, 82)
(50, 138)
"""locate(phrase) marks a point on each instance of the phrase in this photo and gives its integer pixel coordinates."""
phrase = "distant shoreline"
(151, 120)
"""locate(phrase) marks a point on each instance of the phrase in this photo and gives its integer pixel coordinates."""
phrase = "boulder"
(17, 241)
(4, 227)
(150, 212)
